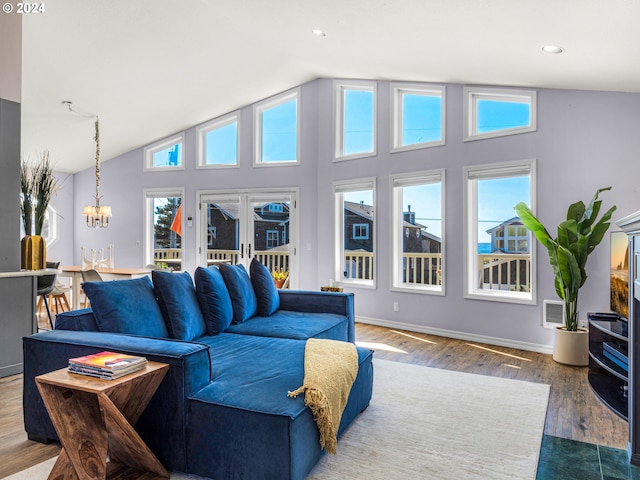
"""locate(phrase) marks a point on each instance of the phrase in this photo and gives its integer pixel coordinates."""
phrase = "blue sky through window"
(494, 115)
(358, 122)
(425, 201)
(496, 199)
(421, 118)
(221, 145)
(279, 133)
(168, 157)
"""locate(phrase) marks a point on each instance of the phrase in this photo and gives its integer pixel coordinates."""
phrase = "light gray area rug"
(431, 423)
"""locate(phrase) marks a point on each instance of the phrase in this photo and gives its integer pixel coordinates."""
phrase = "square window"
(418, 116)
(218, 142)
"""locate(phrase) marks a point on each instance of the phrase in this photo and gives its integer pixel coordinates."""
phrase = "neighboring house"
(415, 238)
(270, 226)
(510, 236)
(358, 226)
(358, 222)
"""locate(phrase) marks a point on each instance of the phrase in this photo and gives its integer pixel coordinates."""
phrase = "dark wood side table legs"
(94, 419)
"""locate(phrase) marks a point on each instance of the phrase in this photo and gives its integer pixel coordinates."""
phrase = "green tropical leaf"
(532, 223)
(576, 211)
(577, 237)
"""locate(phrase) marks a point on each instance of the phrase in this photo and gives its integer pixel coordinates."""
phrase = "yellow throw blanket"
(330, 368)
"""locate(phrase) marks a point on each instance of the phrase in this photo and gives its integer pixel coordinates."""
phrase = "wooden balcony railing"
(497, 271)
(505, 271)
(273, 260)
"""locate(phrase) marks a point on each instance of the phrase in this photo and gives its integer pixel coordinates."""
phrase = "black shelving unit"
(608, 379)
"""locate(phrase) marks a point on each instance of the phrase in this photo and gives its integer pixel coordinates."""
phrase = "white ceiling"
(150, 68)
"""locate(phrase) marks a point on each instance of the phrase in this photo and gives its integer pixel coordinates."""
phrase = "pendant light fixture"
(97, 215)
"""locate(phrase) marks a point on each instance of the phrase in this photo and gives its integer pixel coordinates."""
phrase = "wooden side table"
(331, 289)
(94, 418)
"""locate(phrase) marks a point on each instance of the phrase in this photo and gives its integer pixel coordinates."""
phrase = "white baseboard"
(502, 342)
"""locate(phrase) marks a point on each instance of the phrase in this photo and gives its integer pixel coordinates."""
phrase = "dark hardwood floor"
(574, 411)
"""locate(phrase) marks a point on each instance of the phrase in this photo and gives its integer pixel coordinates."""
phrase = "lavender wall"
(585, 140)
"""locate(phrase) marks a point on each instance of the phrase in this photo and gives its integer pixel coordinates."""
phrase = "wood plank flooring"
(574, 411)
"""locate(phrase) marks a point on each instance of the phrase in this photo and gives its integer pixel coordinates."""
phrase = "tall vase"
(33, 252)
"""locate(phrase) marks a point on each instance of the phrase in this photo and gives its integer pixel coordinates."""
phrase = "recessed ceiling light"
(553, 49)
(318, 32)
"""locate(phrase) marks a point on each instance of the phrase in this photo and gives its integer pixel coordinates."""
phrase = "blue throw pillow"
(243, 298)
(214, 299)
(179, 304)
(264, 288)
(126, 306)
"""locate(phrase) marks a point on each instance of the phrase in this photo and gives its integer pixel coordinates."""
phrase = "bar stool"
(46, 284)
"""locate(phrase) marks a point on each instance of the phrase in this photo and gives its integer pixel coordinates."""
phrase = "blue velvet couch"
(222, 411)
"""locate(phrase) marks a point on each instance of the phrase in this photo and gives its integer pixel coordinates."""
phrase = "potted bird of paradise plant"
(577, 237)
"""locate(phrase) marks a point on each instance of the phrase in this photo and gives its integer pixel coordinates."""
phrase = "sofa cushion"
(243, 298)
(264, 288)
(126, 306)
(246, 395)
(296, 325)
(179, 304)
(214, 299)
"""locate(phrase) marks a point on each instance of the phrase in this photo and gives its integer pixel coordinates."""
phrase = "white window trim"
(338, 114)
(260, 107)
(397, 90)
(340, 187)
(201, 142)
(53, 233)
(470, 230)
(161, 145)
(147, 235)
(404, 180)
(473, 94)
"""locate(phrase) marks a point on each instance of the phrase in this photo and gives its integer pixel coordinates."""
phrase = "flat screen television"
(619, 275)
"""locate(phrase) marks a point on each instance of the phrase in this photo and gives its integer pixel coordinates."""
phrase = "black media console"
(609, 360)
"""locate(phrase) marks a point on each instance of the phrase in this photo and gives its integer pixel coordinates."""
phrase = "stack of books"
(107, 365)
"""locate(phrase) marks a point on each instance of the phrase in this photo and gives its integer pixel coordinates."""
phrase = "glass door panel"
(239, 227)
(271, 234)
(222, 217)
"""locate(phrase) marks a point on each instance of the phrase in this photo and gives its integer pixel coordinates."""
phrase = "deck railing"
(505, 271)
(497, 271)
(274, 260)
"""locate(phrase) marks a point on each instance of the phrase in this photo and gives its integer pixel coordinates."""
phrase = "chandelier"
(97, 215)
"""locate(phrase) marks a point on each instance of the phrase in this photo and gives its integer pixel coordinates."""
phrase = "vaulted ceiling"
(150, 68)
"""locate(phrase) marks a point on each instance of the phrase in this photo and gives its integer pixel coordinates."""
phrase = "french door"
(239, 226)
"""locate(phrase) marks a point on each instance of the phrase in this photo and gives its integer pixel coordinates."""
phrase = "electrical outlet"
(396, 306)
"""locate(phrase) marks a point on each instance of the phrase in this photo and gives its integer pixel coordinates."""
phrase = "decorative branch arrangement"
(37, 185)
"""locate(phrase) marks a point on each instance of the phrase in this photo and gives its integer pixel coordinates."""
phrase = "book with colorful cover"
(96, 372)
(106, 364)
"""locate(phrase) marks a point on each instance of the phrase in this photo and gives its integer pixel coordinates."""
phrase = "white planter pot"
(572, 348)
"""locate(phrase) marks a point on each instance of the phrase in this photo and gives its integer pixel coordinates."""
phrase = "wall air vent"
(552, 313)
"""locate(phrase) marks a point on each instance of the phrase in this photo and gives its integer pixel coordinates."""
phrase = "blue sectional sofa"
(235, 346)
